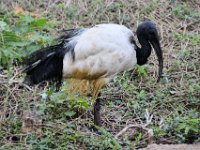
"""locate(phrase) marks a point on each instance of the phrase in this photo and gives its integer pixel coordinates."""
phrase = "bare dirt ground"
(172, 147)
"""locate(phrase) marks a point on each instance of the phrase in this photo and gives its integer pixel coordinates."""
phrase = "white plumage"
(103, 50)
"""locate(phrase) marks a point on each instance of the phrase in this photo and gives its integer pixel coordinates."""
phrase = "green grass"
(170, 108)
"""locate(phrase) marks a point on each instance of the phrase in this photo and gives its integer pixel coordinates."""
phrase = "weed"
(182, 11)
(23, 38)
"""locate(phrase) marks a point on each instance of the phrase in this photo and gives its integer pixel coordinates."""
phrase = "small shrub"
(27, 35)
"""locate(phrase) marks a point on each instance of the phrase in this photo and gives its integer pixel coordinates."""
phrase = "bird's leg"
(97, 85)
(97, 107)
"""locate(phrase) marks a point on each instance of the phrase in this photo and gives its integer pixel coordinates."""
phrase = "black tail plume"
(45, 64)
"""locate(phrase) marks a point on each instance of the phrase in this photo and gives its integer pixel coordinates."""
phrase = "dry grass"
(135, 110)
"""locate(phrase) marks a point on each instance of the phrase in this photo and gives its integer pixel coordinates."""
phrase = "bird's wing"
(69, 34)
(101, 51)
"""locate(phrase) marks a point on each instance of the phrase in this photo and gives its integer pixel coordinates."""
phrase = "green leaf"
(3, 26)
(142, 94)
(142, 71)
(24, 19)
(38, 23)
(10, 36)
(70, 113)
(19, 44)
(172, 92)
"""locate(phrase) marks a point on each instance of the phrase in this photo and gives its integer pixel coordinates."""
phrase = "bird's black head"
(147, 33)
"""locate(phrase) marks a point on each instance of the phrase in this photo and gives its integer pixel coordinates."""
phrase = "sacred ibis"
(94, 55)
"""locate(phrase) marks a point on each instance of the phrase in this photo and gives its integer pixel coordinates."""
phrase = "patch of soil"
(172, 147)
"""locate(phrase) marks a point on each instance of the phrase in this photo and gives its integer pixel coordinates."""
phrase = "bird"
(93, 56)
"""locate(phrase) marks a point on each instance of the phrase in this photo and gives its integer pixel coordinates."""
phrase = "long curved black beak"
(156, 45)
(147, 30)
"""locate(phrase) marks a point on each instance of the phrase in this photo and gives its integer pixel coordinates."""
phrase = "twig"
(21, 83)
(150, 131)
(28, 87)
(144, 127)
(3, 82)
(18, 73)
(3, 76)
(148, 117)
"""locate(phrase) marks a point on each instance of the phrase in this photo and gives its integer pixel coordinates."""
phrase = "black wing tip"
(47, 63)
(27, 80)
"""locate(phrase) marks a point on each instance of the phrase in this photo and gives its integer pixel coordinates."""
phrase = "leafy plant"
(182, 11)
(109, 141)
(142, 70)
(187, 127)
(27, 35)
